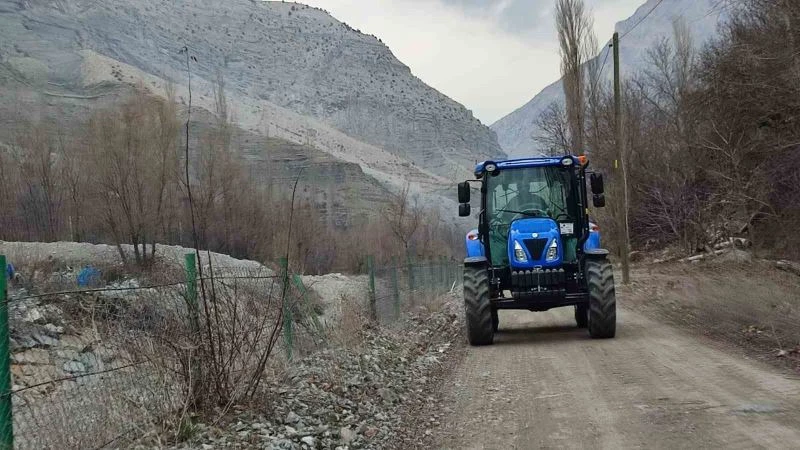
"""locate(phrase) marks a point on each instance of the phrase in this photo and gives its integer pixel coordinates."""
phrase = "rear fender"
(474, 245)
(596, 254)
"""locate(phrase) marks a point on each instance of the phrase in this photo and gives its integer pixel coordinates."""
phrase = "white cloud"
(468, 53)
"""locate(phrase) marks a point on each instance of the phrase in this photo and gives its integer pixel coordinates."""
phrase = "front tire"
(477, 307)
(602, 300)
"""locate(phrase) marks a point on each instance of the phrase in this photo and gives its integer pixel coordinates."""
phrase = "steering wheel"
(530, 209)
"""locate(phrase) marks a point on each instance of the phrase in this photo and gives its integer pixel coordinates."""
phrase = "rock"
(33, 315)
(55, 329)
(74, 367)
(387, 395)
(308, 440)
(282, 444)
(67, 354)
(735, 255)
(24, 342)
(347, 434)
(292, 418)
(74, 341)
(32, 356)
(45, 340)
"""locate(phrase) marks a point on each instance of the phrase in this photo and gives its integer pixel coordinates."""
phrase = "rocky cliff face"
(516, 131)
(287, 54)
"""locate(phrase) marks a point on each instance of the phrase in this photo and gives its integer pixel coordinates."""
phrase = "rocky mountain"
(516, 131)
(275, 57)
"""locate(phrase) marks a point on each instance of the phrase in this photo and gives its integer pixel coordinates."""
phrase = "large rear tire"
(495, 320)
(477, 307)
(602, 300)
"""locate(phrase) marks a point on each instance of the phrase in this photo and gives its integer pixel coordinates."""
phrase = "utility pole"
(622, 217)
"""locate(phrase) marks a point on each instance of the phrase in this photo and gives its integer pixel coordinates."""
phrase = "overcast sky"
(492, 56)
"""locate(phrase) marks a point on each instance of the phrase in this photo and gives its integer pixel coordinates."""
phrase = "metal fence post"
(411, 281)
(442, 273)
(6, 422)
(191, 291)
(395, 290)
(288, 336)
(373, 310)
(190, 267)
(298, 283)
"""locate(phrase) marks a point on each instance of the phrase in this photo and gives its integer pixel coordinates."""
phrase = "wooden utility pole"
(622, 217)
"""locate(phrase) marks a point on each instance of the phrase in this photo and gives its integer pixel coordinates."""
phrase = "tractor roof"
(521, 163)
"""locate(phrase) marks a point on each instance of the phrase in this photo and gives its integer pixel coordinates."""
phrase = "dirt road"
(545, 384)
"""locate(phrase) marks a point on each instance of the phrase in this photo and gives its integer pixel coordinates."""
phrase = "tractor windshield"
(526, 192)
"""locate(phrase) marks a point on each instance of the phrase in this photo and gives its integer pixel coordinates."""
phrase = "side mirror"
(464, 210)
(463, 192)
(596, 180)
(599, 200)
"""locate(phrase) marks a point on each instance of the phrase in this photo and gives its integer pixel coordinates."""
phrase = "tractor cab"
(534, 241)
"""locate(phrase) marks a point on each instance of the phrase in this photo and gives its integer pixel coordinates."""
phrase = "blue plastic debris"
(88, 276)
(10, 271)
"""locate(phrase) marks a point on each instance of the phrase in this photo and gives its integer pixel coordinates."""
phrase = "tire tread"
(478, 308)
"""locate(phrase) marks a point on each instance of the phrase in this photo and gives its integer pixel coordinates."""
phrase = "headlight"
(552, 252)
(519, 253)
(567, 161)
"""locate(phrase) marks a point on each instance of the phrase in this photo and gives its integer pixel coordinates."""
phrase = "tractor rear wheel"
(477, 307)
(582, 316)
(495, 320)
(602, 300)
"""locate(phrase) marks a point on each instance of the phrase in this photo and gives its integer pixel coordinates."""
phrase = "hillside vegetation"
(122, 177)
(711, 136)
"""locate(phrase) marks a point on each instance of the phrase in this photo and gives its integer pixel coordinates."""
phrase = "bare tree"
(404, 216)
(134, 158)
(36, 160)
(576, 45)
(553, 130)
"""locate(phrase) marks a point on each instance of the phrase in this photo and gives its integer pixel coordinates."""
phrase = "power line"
(642, 19)
(600, 74)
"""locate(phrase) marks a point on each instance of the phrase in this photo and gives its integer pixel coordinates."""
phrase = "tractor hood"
(534, 242)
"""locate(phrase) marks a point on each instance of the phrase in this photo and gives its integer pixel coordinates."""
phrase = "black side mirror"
(463, 192)
(464, 210)
(596, 180)
(599, 200)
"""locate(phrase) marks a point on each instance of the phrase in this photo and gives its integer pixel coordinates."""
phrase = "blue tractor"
(535, 247)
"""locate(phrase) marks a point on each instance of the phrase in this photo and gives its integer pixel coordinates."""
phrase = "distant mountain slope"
(515, 131)
(291, 55)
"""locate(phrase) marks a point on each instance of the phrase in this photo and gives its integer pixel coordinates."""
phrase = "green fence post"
(190, 267)
(442, 273)
(395, 290)
(309, 311)
(6, 421)
(191, 291)
(288, 332)
(411, 280)
(373, 310)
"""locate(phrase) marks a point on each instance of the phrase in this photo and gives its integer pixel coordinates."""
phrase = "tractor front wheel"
(477, 307)
(602, 300)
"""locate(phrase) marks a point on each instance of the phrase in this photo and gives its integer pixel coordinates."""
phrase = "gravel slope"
(545, 384)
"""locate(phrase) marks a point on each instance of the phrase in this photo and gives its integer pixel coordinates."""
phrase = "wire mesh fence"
(100, 359)
(402, 285)
(98, 363)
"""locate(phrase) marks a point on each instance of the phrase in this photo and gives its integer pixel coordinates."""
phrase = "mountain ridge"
(649, 23)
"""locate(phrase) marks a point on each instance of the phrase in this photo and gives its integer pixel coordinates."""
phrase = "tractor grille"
(535, 247)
